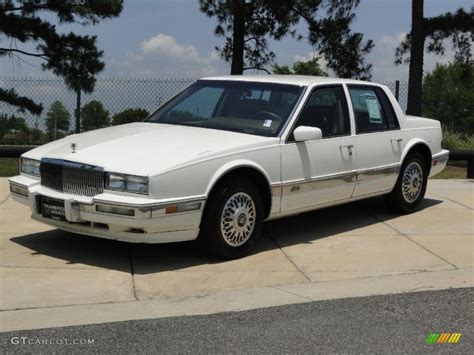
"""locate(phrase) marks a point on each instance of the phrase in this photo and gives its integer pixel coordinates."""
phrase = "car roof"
(301, 80)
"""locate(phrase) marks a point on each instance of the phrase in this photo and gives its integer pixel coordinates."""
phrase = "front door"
(320, 171)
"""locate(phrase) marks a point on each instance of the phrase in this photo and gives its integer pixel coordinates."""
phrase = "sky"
(173, 39)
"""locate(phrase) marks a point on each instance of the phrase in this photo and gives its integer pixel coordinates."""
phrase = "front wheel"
(410, 188)
(233, 219)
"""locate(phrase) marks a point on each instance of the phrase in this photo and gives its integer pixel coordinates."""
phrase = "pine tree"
(94, 116)
(67, 55)
(458, 26)
(57, 120)
(247, 25)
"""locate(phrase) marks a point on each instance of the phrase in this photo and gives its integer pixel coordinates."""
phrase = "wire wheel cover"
(238, 219)
(412, 182)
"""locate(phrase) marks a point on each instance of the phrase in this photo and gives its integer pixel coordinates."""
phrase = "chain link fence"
(115, 96)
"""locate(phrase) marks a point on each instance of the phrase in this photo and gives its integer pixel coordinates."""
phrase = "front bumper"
(134, 219)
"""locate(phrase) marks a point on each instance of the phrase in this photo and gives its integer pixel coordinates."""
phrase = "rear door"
(378, 139)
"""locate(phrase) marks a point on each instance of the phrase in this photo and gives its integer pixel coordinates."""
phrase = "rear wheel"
(233, 219)
(410, 188)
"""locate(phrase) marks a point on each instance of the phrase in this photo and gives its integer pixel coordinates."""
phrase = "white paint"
(185, 162)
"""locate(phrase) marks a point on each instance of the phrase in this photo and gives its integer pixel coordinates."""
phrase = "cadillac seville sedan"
(228, 153)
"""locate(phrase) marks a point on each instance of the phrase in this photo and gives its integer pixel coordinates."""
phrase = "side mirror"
(306, 133)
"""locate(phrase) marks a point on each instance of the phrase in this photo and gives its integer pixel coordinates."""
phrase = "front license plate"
(52, 208)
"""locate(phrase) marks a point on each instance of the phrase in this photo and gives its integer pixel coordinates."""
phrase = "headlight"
(30, 167)
(127, 183)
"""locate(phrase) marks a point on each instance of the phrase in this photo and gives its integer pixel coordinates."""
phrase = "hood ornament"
(73, 147)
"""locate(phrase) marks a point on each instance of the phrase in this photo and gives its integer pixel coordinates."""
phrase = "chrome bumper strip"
(334, 180)
(377, 173)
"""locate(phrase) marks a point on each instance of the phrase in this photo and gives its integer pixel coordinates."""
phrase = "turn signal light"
(185, 207)
(171, 209)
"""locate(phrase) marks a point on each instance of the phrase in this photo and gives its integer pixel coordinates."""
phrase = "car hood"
(147, 148)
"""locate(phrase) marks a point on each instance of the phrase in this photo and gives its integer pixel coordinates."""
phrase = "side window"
(326, 109)
(198, 106)
(372, 110)
(392, 121)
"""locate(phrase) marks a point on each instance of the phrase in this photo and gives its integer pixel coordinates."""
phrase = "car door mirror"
(306, 133)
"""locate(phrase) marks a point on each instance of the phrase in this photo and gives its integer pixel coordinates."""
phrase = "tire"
(411, 184)
(232, 220)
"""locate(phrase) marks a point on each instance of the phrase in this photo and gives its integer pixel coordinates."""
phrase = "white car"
(228, 153)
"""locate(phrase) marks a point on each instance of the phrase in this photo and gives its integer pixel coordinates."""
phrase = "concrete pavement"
(390, 324)
(52, 278)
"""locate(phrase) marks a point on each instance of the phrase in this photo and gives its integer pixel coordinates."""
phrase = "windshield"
(246, 107)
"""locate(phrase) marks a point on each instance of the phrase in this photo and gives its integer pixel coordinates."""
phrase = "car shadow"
(152, 258)
(343, 219)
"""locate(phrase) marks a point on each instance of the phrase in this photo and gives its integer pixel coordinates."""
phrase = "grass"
(9, 166)
(452, 172)
(457, 141)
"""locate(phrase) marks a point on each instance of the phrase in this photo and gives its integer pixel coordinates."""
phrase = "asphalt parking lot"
(54, 278)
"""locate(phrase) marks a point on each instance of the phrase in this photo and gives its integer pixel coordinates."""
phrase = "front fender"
(235, 164)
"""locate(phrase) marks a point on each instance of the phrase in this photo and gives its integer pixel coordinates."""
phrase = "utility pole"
(238, 37)
(415, 76)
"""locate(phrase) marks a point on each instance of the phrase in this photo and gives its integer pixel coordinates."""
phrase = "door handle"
(398, 140)
(349, 147)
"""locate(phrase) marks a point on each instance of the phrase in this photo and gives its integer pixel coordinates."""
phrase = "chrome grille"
(71, 177)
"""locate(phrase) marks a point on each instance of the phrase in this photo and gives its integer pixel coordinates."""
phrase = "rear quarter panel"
(416, 129)
(422, 130)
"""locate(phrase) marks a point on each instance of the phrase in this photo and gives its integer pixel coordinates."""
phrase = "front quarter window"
(246, 107)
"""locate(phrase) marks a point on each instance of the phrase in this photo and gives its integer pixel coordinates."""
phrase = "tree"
(36, 136)
(57, 120)
(20, 130)
(129, 115)
(14, 130)
(4, 125)
(458, 26)
(448, 96)
(247, 25)
(310, 67)
(19, 125)
(66, 54)
(12, 124)
(94, 116)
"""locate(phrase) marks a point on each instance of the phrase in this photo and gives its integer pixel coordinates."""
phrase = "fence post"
(470, 168)
(464, 155)
(78, 104)
(397, 90)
